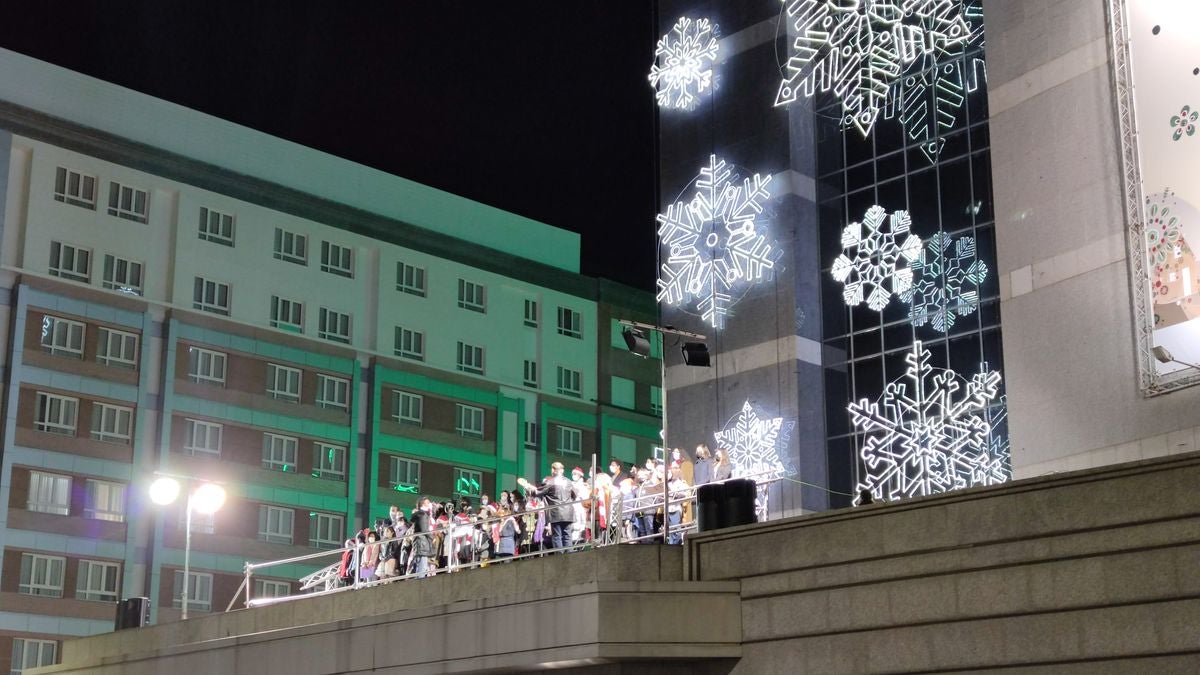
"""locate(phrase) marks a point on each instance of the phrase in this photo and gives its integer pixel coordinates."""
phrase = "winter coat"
(702, 471)
(559, 493)
(722, 471)
(422, 525)
(508, 537)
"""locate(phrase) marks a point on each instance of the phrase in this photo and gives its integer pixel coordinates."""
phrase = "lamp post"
(206, 499)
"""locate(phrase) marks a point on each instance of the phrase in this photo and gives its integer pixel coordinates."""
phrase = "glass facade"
(939, 172)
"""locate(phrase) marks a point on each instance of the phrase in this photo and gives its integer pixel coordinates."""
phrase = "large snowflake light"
(930, 433)
(859, 49)
(946, 282)
(713, 241)
(683, 59)
(754, 444)
(875, 257)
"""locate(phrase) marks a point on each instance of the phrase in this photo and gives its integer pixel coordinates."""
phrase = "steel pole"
(187, 556)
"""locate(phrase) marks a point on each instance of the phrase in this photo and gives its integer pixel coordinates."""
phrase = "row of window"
(58, 414)
(28, 653)
(279, 452)
(277, 524)
(42, 575)
(404, 475)
(51, 493)
(68, 261)
(208, 366)
(64, 337)
(79, 189)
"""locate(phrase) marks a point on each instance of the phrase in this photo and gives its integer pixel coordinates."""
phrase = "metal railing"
(622, 509)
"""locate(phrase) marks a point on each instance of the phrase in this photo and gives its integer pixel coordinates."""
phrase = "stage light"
(637, 342)
(696, 354)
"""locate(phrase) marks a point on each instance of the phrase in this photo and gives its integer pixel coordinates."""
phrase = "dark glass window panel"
(832, 222)
(937, 353)
(861, 176)
(829, 146)
(863, 317)
(866, 343)
(981, 178)
(868, 379)
(837, 397)
(955, 191)
(842, 471)
(857, 204)
(964, 355)
(835, 316)
(923, 202)
(889, 135)
(831, 187)
(985, 251)
(892, 195)
(897, 336)
(858, 149)
(980, 137)
(837, 350)
(956, 145)
(992, 353)
(989, 313)
(890, 166)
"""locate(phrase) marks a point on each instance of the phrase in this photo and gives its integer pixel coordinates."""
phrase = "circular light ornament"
(683, 63)
(208, 499)
(164, 491)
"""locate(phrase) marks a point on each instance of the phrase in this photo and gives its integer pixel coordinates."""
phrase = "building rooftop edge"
(113, 109)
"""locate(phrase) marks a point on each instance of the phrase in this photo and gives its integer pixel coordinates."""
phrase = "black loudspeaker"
(740, 494)
(133, 613)
(710, 505)
(696, 354)
(637, 342)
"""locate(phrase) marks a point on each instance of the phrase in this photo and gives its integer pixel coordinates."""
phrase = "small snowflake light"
(713, 242)
(860, 49)
(683, 60)
(755, 444)
(875, 257)
(930, 433)
(946, 282)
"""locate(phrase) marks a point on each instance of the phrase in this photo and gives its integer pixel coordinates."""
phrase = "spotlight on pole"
(637, 342)
(1164, 357)
(696, 354)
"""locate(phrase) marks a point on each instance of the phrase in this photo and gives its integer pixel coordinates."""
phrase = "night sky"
(539, 108)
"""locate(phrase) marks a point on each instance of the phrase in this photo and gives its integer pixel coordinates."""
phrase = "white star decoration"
(924, 440)
(714, 246)
(682, 68)
(754, 444)
(876, 261)
(859, 49)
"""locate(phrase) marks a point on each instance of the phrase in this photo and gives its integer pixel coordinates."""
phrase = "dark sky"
(540, 108)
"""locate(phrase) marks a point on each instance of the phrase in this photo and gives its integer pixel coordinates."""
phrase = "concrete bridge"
(1088, 572)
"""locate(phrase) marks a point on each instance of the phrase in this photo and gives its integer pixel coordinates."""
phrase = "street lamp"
(206, 499)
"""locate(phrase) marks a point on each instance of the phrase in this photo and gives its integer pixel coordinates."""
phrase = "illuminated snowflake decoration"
(945, 282)
(755, 444)
(859, 49)
(931, 432)
(875, 258)
(683, 59)
(927, 100)
(713, 242)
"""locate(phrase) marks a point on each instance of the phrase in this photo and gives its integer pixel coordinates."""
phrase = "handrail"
(621, 507)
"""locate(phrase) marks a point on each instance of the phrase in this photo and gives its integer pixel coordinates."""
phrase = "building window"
(656, 405)
(531, 313)
(333, 392)
(570, 382)
(291, 246)
(111, 423)
(410, 344)
(49, 493)
(56, 414)
(97, 580)
(28, 653)
(569, 323)
(287, 314)
(325, 530)
(531, 373)
(410, 279)
(216, 227)
(205, 365)
(329, 461)
(124, 276)
(532, 433)
(104, 500)
(283, 383)
(337, 260)
(268, 588)
(470, 358)
(570, 441)
(333, 326)
(202, 523)
(408, 408)
(128, 202)
(202, 438)
(42, 575)
(467, 483)
(117, 348)
(276, 524)
(405, 475)
(210, 296)
(279, 452)
(62, 337)
(73, 187)
(70, 262)
(468, 420)
(199, 590)
(471, 296)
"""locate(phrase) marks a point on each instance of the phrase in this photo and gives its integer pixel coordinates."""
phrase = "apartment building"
(185, 296)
